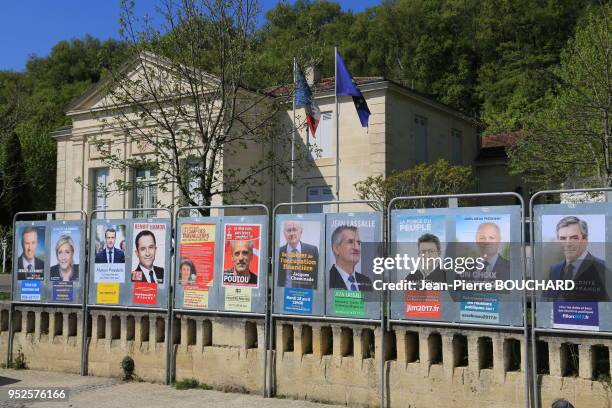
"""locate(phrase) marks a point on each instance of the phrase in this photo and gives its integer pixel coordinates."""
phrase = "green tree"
(14, 195)
(568, 140)
(439, 177)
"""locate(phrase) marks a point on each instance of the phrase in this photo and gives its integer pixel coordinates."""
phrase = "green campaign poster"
(349, 303)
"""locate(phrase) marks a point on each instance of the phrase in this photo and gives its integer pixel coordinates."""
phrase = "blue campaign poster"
(30, 290)
(63, 292)
(479, 308)
(576, 315)
(298, 300)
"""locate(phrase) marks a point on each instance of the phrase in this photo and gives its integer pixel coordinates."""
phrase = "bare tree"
(182, 99)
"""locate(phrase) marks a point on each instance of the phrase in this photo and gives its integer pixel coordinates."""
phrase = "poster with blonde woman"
(65, 254)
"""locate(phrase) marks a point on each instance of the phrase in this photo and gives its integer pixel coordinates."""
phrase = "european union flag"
(345, 86)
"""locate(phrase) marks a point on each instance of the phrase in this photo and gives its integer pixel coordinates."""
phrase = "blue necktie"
(352, 280)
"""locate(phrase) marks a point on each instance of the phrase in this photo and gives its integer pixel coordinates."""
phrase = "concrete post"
(357, 343)
(152, 332)
(37, 321)
(499, 369)
(585, 358)
(554, 358)
(316, 341)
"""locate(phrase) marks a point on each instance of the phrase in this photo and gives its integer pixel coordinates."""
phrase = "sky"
(33, 27)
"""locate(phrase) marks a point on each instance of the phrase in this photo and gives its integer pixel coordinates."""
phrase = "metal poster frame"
(265, 264)
(456, 325)
(536, 330)
(86, 306)
(271, 331)
(50, 215)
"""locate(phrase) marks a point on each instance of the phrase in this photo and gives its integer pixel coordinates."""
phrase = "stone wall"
(328, 361)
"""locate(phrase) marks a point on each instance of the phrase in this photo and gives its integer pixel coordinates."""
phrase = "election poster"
(574, 250)
(299, 254)
(241, 257)
(31, 257)
(485, 236)
(65, 254)
(110, 253)
(299, 276)
(196, 263)
(148, 261)
(423, 238)
(352, 242)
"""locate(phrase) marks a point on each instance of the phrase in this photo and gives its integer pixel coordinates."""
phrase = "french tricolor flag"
(303, 97)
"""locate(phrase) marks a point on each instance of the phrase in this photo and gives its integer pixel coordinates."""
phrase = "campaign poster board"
(49, 264)
(299, 260)
(130, 262)
(570, 243)
(492, 233)
(197, 260)
(352, 241)
(243, 266)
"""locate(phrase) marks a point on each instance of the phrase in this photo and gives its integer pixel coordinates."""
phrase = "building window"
(322, 140)
(318, 194)
(145, 192)
(420, 131)
(457, 147)
(100, 192)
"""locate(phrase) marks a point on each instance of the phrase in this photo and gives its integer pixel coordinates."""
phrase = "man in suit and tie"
(29, 267)
(298, 261)
(488, 240)
(110, 254)
(346, 247)
(579, 265)
(146, 247)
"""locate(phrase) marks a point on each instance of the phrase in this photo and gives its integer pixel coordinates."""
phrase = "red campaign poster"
(197, 255)
(241, 246)
(145, 293)
(424, 304)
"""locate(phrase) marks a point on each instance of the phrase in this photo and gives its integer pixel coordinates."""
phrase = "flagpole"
(337, 127)
(293, 137)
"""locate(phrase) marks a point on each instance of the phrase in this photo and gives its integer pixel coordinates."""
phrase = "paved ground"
(97, 392)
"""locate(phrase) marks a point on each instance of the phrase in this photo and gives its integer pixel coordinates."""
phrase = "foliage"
(568, 139)
(190, 383)
(32, 105)
(127, 365)
(17, 363)
(439, 177)
(14, 190)
(500, 61)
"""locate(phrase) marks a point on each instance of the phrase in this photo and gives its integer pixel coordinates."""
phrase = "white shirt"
(345, 277)
(146, 271)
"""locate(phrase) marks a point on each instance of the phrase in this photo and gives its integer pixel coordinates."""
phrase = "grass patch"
(190, 384)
